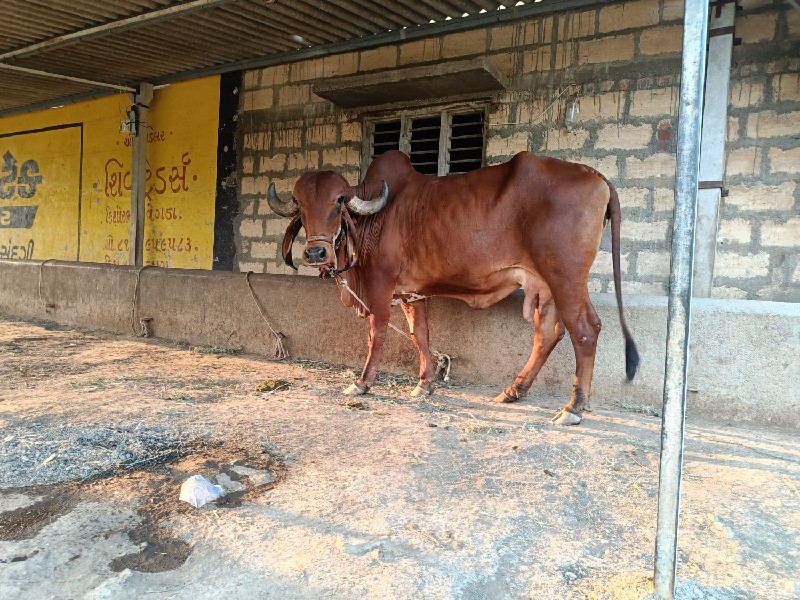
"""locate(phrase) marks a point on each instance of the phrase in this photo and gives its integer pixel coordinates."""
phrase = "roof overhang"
(58, 52)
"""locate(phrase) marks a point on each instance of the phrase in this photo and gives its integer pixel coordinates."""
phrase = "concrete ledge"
(744, 362)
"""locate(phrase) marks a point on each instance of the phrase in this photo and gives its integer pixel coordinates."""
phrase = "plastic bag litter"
(197, 491)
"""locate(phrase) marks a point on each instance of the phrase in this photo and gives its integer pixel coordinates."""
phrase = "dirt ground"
(450, 496)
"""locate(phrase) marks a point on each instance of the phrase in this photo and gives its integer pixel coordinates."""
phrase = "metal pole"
(695, 37)
(139, 175)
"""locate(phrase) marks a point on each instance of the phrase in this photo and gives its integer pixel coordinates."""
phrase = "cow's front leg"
(417, 317)
(378, 321)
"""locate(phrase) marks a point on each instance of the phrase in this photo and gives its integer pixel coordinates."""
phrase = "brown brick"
(507, 146)
(786, 86)
(274, 75)
(305, 69)
(602, 106)
(733, 129)
(258, 99)
(673, 9)
(735, 230)
(378, 58)
(294, 95)
(745, 94)
(565, 55)
(537, 61)
(539, 31)
(264, 250)
(255, 267)
(257, 141)
(654, 103)
(420, 51)
(628, 15)
(247, 185)
(653, 263)
(663, 200)
(339, 157)
(303, 161)
(249, 208)
(528, 113)
(340, 64)
(784, 161)
(288, 138)
(284, 186)
(768, 124)
(756, 28)
(762, 197)
(276, 225)
(624, 137)
(572, 26)
(793, 22)
(744, 161)
(321, 135)
(661, 40)
(607, 165)
(247, 165)
(561, 139)
(727, 292)
(251, 228)
(640, 288)
(741, 266)
(506, 36)
(650, 231)
(464, 43)
(273, 163)
(604, 266)
(657, 165)
(607, 49)
(351, 132)
(250, 79)
(632, 197)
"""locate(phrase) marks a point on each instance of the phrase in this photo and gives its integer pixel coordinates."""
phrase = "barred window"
(441, 143)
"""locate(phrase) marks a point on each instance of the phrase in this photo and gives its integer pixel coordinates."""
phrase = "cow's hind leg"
(417, 317)
(583, 326)
(548, 331)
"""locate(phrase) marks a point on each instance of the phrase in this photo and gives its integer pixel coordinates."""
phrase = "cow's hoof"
(354, 390)
(503, 398)
(421, 391)
(565, 417)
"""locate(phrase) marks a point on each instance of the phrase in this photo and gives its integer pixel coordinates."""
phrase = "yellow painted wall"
(83, 163)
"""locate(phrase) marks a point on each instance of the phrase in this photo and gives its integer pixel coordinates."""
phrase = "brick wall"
(623, 64)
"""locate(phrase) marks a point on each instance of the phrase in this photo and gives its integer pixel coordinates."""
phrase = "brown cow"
(532, 223)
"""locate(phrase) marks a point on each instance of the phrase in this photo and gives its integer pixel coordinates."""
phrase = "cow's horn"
(362, 207)
(284, 209)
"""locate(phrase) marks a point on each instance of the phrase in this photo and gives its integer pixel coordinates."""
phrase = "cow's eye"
(340, 199)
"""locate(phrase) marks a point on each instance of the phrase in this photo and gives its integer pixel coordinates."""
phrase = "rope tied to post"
(45, 305)
(280, 352)
(143, 327)
(442, 360)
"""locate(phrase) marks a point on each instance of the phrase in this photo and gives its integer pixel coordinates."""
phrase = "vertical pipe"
(139, 175)
(695, 36)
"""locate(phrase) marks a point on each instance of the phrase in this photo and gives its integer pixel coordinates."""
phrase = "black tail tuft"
(631, 358)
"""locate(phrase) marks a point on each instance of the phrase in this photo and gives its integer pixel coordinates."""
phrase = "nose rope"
(442, 360)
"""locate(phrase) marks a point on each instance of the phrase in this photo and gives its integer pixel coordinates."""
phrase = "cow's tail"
(614, 215)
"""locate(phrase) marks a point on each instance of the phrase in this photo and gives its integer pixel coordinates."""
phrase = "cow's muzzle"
(320, 251)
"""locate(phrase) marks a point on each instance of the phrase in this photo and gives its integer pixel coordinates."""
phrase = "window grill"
(447, 142)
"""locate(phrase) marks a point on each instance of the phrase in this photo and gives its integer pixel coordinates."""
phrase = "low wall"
(744, 357)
